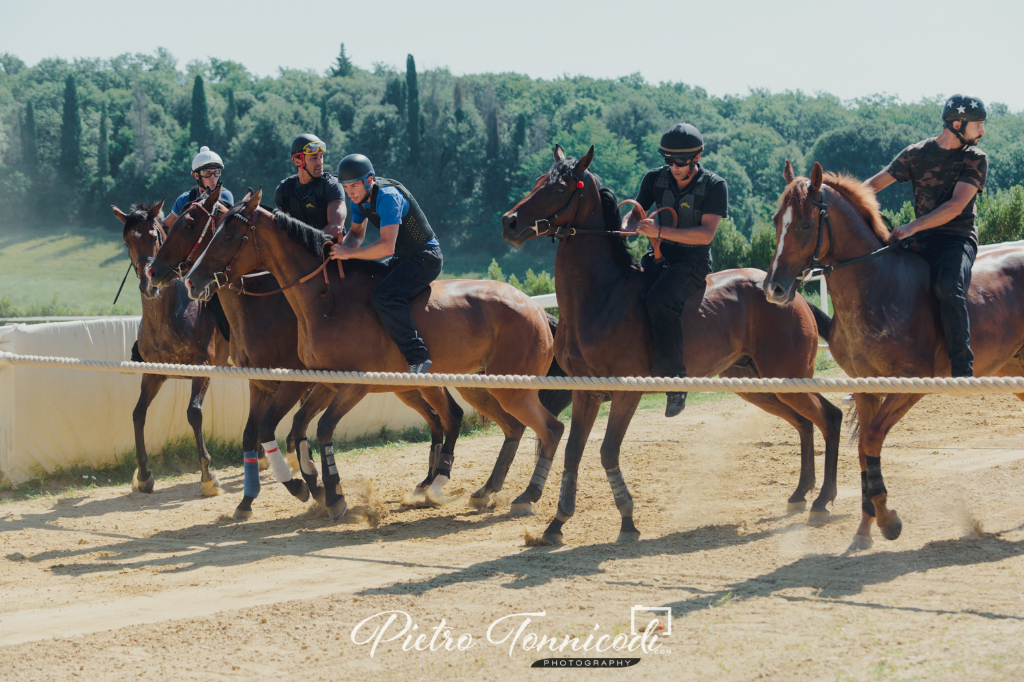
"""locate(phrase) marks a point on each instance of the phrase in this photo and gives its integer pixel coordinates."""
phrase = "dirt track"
(112, 585)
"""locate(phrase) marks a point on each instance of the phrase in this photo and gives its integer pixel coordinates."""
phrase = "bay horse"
(603, 331)
(886, 320)
(470, 327)
(251, 317)
(174, 329)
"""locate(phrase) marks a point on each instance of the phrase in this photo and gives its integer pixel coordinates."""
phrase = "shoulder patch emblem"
(683, 204)
(310, 206)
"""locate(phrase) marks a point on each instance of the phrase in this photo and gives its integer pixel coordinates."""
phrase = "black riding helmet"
(682, 141)
(307, 143)
(354, 167)
(963, 108)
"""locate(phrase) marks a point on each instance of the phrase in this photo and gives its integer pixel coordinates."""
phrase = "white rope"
(648, 384)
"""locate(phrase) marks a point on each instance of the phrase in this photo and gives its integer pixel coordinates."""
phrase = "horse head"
(186, 240)
(550, 204)
(232, 250)
(143, 235)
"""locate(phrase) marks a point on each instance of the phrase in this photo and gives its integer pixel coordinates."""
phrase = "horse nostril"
(150, 272)
(188, 284)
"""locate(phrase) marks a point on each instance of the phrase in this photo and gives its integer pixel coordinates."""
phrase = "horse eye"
(806, 224)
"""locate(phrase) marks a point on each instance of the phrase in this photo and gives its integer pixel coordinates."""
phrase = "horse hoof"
(479, 500)
(319, 496)
(142, 486)
(818, 518)
(435, 493)
(552, 538)
(241, 515)
(211, 488)
(893, 530)
(298, 489)
(628, 536)
(263, 463)
(860, 542)
(337, 510)
(521, 509)
(794, 507)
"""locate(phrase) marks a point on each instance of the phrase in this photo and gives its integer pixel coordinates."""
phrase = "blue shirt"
(182, 201)
(392, 207)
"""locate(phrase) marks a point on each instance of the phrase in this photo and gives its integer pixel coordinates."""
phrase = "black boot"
(676, 403)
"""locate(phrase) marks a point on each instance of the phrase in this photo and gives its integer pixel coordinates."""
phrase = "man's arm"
(880, 181)
(336, 213)
(700, 235)
(355, 235)
(169, 221)
(946, 211)
(382, 248)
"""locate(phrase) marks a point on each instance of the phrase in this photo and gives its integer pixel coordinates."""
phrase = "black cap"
(300, 142)
(963, 108)
(682, 140)
(354, 167)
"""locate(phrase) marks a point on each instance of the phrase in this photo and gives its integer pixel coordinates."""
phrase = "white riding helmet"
(206, 159)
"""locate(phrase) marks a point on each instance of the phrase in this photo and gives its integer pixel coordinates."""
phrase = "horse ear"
(254, 201)
(583, 164)
(214, 197)
(816, 177)
(559, 153)
(157, 209)
(119, 214)
(788, 173)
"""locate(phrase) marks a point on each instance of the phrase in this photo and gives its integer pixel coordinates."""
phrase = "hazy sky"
(911, 49)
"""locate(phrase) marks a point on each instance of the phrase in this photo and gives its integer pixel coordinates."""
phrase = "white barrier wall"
(53, 418)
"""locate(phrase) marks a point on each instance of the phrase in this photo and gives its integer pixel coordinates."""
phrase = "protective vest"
(688, 202)
(312, 208)
(414, 230)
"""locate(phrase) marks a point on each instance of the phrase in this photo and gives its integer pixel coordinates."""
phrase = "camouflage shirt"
(933, 173)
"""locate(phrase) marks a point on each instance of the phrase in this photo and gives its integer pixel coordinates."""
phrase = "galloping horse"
(604, 331)
(250, 317)
(469, 326)
(174, 330)
(886, 320)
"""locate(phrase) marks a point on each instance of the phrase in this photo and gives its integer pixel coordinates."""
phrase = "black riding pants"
(665, 301)
(407, 276)
(951, 258)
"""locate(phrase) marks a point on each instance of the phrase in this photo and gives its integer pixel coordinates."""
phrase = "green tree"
(30, 141)
(230, 117)
(762, 246)
(1001, 217)
(413, 122)
(460, 112)
(493, 136)
(70, 168)
(199, 123)
(729, 248)
(342, 64)
(103, 145)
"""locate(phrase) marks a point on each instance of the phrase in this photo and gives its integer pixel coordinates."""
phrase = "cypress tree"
(30, 141)
(231, 118)
(493, 141)
(70, 135)
(460, 113)
(325, 125)
(199, 129)
(342, 65)
(413, 123)
(103, 148)
(519, 136)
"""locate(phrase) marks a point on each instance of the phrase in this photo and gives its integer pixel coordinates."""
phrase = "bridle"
(184, 266)
(161, 237)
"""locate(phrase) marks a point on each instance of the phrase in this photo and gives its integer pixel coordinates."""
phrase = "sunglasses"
(314, 148)
(678, 162)
(210, 173)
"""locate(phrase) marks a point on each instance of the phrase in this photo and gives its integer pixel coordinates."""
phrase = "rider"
(946, 173)
(700, 199)
(207, 167)
(406, 240)
(311, 195)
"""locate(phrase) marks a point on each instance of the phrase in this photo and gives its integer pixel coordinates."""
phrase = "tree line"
(76, 136)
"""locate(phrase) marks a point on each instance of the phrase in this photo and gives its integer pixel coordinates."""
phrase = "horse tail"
(823, 321)
(555, 400)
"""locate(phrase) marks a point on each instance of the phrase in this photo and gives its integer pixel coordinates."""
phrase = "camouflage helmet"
(964, 108)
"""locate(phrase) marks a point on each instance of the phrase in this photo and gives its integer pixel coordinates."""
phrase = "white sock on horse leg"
(282, 472)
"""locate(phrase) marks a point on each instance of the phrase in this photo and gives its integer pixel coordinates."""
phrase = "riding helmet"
(299, 143)
(354, 167)
(206, 159)
(682, 140)
(964, 108)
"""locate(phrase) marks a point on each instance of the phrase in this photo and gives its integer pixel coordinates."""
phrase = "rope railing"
(647, 384)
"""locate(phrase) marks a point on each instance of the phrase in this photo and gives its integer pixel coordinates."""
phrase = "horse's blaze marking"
(787, 218)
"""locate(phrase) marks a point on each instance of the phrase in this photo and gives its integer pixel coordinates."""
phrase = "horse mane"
(309, 237)
(859, 194)
(137, 213)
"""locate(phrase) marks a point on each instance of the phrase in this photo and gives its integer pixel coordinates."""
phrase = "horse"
(886, 320)
(603, 331)
(470, 327)
(250, 317)
(174, 329)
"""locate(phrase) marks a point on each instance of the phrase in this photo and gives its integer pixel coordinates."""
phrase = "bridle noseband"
(565, 230)
(184, 266)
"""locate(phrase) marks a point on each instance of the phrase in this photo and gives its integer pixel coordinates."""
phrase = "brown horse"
(469, 326)
(174, 330)
(886, 319)
(604, 331)
(250, 318)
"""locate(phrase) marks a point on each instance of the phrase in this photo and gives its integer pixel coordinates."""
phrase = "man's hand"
(334, 231)
(339, 252)
(902, 232)
(648, 228)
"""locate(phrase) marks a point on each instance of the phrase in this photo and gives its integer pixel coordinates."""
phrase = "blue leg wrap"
(251, 467)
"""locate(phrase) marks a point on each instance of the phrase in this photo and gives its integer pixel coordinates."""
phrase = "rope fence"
(943, 385)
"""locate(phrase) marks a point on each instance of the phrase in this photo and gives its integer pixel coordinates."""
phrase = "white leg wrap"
(281, 471)
(305, 458)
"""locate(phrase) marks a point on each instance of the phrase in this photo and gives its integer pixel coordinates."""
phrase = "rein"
(816, 268)
(186, 265)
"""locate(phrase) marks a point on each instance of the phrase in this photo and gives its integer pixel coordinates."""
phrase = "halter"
(186, 265)
(161, 237)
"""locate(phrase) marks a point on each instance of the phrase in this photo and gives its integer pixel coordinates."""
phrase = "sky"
(907, 48)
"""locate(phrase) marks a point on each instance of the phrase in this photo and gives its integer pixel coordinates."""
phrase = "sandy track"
(111, 584)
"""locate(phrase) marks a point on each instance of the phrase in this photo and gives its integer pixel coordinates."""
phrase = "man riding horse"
(700, 199)
(207, 168)
(413, 253)
(311, 195)
(947, 173)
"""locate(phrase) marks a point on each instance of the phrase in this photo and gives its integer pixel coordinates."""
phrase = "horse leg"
(416, 401)
(258, 401)
(487, 405)
(347, 398)
(585, 406)
(450, 414)
(209, 481)
(874, 495)
(316, 402)
(526, 407)
(829, 420)
(142, 479)
(867, 406)
(624, 404)
(284, 399)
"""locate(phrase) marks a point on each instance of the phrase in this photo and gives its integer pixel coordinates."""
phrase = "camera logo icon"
(641, 616)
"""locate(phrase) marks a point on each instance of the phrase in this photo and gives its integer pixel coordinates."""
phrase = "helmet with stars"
(963, 108)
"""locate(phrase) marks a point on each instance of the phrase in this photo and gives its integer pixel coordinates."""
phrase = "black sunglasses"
(679, 162)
